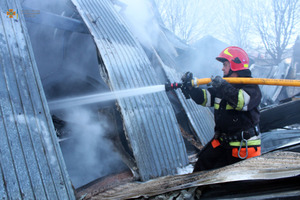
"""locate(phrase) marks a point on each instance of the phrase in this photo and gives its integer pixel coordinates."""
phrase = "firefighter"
(236, 113)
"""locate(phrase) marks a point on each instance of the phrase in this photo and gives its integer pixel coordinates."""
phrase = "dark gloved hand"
(217, 82)
(187, 79)
(186, 84)
(225, 90)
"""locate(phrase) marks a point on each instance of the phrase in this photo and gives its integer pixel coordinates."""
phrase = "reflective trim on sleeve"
(240, 103)
(207, 98)
(218, 100)
(204, 97)
(217, 106)
(243, 100)
(246, 100)
(217, 103)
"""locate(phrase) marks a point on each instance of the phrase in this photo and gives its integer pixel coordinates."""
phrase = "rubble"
(271, 166)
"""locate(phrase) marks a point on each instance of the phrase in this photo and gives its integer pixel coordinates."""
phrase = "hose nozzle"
(172, 86)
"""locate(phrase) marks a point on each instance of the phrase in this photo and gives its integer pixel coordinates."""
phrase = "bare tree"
(276, 23)
(237, 23)
(189, 20)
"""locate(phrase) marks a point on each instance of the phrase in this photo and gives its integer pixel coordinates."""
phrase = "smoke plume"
(88, 152)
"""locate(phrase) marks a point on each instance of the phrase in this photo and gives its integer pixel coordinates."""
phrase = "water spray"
(108, 96)
(102, 97)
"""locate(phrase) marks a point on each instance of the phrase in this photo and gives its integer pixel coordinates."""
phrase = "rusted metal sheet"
(31, 163)
(270, 166)
(149, 121)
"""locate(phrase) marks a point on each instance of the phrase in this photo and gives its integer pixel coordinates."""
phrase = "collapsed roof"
(125, 65)
(153, 124)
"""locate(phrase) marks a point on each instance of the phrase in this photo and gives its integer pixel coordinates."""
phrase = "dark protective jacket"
(235, 106)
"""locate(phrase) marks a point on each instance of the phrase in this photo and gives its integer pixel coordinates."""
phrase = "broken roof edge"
(270, 166)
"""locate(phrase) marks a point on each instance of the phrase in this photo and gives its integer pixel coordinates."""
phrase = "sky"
(221, 19)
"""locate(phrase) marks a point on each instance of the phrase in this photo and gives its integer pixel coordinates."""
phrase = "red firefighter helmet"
(237, 57)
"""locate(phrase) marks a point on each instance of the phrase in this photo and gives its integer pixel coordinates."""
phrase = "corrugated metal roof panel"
(201, 118)
(149, 120)
(278, 139)
(280, 116)
(31, 163)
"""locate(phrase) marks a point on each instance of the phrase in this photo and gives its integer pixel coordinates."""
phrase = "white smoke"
(141, 20)
(140, 17)
(89, 154)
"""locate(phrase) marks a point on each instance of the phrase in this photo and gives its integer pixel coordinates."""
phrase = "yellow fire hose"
(257, 81)
(239, 80)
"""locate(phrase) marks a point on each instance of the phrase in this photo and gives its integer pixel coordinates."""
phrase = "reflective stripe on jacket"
(234, 111)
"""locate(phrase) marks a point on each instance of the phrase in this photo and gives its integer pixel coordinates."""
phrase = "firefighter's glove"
(218, 82)
(226, 90)
(187, 84)
(187, 79)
